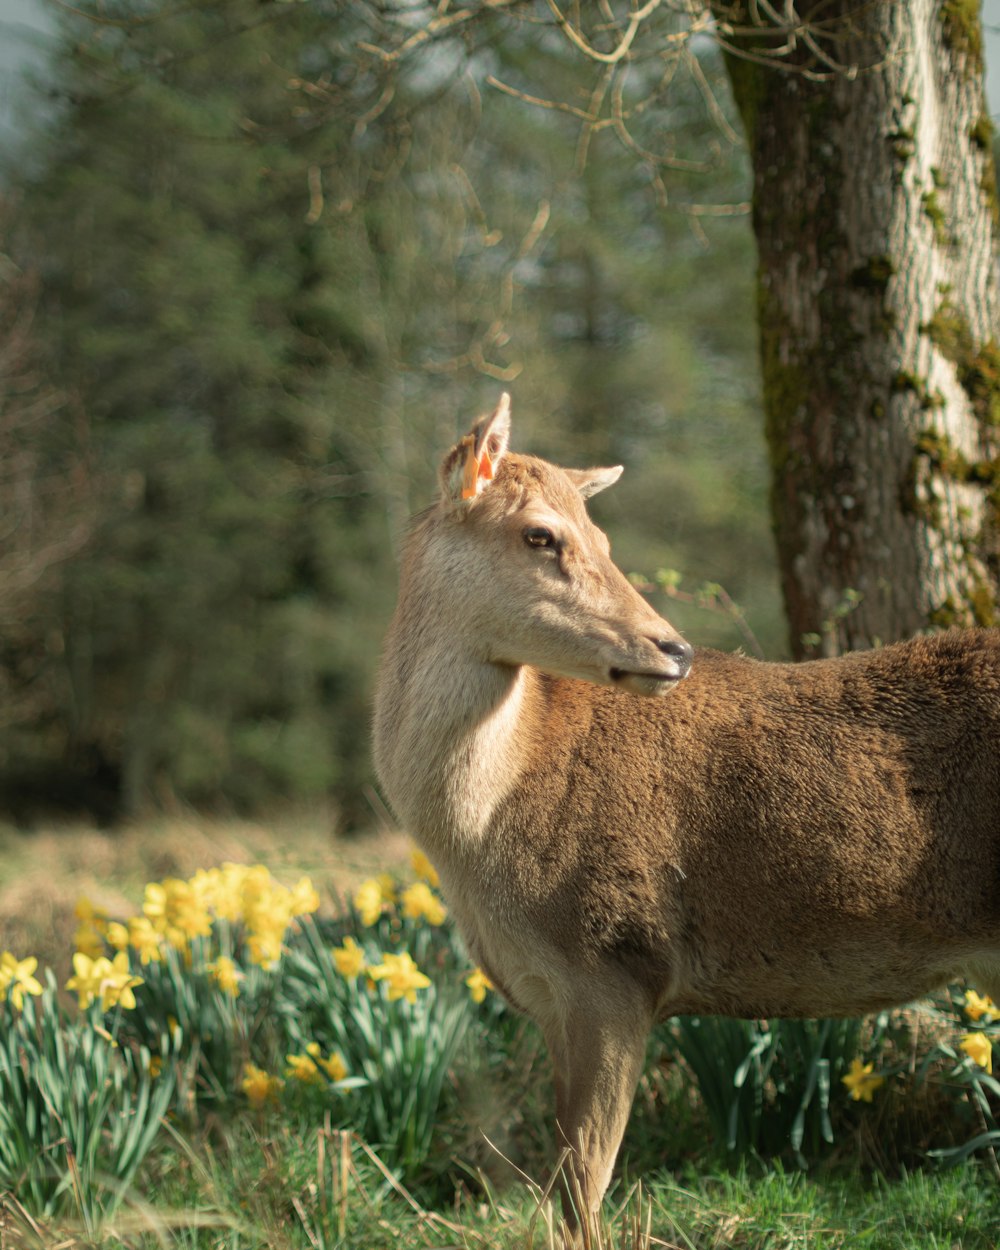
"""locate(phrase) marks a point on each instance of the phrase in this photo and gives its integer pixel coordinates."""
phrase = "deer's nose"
(681, 652)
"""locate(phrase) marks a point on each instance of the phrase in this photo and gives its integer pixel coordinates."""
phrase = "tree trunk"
(875, 211)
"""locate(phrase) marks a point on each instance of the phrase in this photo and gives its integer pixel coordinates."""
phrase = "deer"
(628, 829)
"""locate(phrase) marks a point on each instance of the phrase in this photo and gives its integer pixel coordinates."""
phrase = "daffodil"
(977, 1006)
(979, 1048)
(226, 975)
(265, 946)
(368, 900)
(89, 940)
(104, 979)
(423, 867)
(333, 1065)
(144, 939)
(303, 898)
(259, 1086)
(861, 1081)
(89, 915)
(303, 1068)
(349, 958)
(87, 978)
(478, 983)
(16, 978)
(419, 902)
(118, 984)
(117, 935)
(401, 975)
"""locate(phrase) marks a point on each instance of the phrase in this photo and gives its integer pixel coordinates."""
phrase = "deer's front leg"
(597, 1051)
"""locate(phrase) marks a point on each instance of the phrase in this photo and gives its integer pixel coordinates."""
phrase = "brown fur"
(770, 839)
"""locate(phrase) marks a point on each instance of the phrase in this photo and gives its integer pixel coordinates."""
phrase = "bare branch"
(636, 18)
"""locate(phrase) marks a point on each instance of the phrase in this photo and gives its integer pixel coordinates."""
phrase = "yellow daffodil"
(118, 984)
(226, 975)
(89, 915)
(265, 947)
(419, 902)
(349, 958)
(303, 1068)
(979, 1049)
(387, 884)
(304, 900)
(144, 939)
(977, 1006)
(861, 1081)
(368, 901)
(154, 905)
(89, 940)
(333, 1065)
(88, 975)
(423, 867)
(260, 1087)
(478, 983)
(103, 978)
(117, 935)
(16, 978)
(401, 975)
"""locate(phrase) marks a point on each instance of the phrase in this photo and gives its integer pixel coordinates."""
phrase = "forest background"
(253, 285)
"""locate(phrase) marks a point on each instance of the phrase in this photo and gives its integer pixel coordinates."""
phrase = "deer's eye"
(538, 536)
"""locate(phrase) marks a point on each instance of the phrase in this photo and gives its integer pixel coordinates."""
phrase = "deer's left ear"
(470, 465)
(590, 481)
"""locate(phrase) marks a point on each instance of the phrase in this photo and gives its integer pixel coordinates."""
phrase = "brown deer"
(811, 839)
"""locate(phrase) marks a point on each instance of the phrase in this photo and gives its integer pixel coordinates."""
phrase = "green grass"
(286, 1188)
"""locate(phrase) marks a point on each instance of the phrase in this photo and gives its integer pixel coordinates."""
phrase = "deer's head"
(529, 576)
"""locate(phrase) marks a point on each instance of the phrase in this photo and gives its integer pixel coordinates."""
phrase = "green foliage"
(403, 1051)
(768, 1085)
(277, 282)
(78, 1112)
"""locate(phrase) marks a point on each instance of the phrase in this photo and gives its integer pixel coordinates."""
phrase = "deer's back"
(746, 842)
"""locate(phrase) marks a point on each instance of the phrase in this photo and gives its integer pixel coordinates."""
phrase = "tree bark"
(875, 216)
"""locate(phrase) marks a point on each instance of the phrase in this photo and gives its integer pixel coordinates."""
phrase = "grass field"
(228, 1173)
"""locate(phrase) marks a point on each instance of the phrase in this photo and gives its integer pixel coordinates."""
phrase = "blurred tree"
(875, 212)
(180, 272)
(280, 272)
(46, 496)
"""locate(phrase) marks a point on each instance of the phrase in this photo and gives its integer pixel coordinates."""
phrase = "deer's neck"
(451, 731)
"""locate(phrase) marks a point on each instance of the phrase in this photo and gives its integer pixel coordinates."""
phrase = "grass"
(290, 1189)
(225, 1177)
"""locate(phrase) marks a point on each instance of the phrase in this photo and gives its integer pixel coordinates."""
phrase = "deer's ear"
(590, 481)
(470, 465)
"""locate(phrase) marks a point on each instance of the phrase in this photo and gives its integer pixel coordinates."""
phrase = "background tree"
(46, 497)
(875, 213)
(280, 272)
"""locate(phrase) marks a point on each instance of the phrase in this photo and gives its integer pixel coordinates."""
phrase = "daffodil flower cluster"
(417, 902)
(372, 900)
(401, 975)
(175, 914)
(862, 1081)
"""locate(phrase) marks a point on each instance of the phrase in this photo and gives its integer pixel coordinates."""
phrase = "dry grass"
(44, 872)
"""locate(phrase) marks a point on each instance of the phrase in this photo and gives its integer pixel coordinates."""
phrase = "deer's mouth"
(645, 682)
